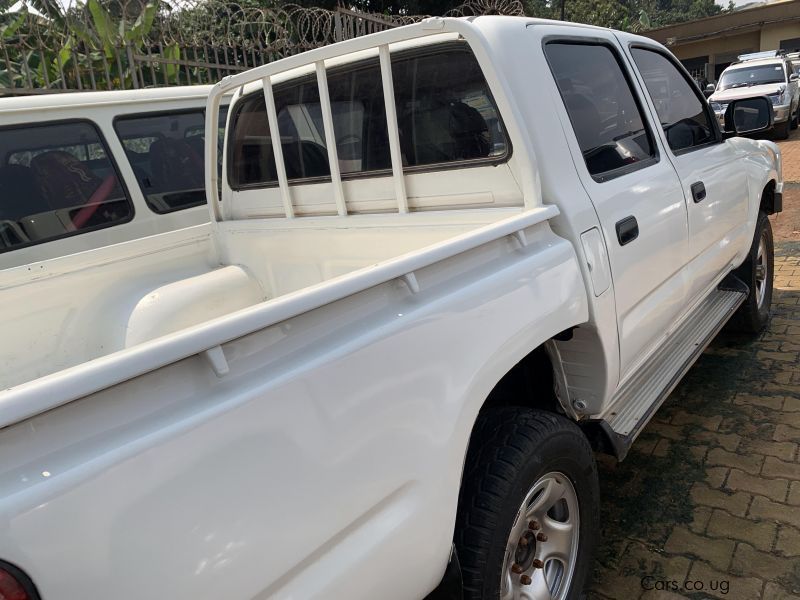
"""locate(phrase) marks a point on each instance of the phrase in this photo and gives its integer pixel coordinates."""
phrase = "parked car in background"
(768, 74)
(81, 171)
(430, 289)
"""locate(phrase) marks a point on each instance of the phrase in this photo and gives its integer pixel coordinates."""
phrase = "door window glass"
(682, 113)
(603, 111)
(57, 180)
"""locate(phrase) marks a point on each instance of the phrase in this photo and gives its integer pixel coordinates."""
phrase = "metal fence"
(129, 44)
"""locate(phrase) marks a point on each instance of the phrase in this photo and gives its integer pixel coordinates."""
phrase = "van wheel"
(528, 507)
(757, 272)
(782, 130)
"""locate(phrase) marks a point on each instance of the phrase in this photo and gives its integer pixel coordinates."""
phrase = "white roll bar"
(317, 57)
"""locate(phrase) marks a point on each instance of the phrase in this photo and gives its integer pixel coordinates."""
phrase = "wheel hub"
(543, 544)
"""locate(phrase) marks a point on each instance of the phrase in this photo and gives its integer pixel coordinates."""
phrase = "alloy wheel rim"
(542, 547)
(761, 271)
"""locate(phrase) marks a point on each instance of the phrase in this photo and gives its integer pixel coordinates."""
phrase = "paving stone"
(788, 541)
(662, 447)
(716, 551)
(772, 488)
(782, 450)
(707, 422)
(786, 433)
(749, 561)
(673, 432)
(760, 534)
(727, 585)
(772, 591)
(715, 476)
(700, 518)
(734, 502)
(794, 494)
(728, 441)
(773, 402)
(774, 467)
(750, 463)
(763, 508)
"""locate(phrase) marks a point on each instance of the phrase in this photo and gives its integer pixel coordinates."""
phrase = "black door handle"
(698, 192)
(627, 230)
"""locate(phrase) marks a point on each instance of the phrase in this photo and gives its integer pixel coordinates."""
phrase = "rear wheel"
(757, 272)
(528, 508)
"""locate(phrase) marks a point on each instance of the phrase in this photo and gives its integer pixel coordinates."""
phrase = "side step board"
(642, 395)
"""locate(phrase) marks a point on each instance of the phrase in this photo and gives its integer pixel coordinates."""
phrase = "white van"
(86, 170)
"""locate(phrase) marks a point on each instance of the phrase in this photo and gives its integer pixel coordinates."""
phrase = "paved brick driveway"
(709, 497)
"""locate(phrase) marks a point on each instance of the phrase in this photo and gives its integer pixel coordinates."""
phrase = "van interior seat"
(65, 181)
(174, 164)
(21, 194)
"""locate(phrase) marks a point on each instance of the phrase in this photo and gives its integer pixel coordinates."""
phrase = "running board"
(642, 395)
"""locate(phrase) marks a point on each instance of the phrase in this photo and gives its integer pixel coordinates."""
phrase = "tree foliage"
(629, 15)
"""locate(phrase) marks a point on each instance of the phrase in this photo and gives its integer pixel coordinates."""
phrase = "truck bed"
(86, 306)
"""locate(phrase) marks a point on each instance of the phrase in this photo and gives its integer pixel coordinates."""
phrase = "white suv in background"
(761, 74)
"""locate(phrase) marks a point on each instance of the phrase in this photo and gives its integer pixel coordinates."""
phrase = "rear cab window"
(446, 115)
(57, 179)
(167, 155)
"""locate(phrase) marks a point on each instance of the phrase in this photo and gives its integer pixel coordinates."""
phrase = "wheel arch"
(770, 201)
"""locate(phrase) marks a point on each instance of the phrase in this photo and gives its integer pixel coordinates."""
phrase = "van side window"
(446, 115)
(683, 115)
(166, 153)
(604, 113)
(57, 180)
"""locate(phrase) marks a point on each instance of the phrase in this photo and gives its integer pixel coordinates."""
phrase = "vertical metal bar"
(393, 131)
(153, 78)
(330, 138)
(119, 68)
(199, 69)
(163, 67)
(277, 148)
(132, 66)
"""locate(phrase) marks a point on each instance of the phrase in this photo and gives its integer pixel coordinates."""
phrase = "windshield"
(755, 75)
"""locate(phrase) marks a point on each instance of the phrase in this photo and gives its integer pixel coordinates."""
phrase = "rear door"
(714, 184)
(634, 188)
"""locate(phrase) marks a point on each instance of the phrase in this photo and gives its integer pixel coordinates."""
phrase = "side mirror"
(794, 77)
(710, 89)
(748, 116)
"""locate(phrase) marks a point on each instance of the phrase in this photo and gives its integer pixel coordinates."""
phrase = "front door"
(714, 184)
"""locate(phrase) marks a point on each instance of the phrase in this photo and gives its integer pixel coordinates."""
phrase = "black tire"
(511, 449)
(781, 130)
(796, 118)
(753, 314)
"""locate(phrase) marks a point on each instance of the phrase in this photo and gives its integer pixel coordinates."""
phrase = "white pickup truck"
(445, 263)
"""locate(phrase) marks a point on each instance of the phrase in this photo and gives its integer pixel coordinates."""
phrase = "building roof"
(727, 23)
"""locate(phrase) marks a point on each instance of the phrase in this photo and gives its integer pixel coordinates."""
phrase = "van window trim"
(428, 50)
(114, 164)
(718, 137)
(644, 112)
(161, 113)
